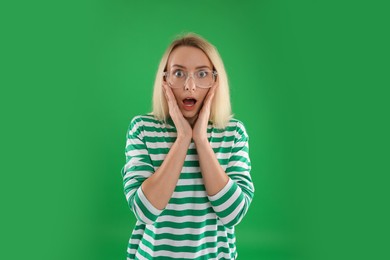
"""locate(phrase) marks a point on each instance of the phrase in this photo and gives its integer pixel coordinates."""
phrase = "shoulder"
(142, 119)
(140, 123)
(238, 127)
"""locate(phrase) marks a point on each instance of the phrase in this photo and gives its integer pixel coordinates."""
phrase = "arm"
(147, 193)
(231, 192)
(160, 186)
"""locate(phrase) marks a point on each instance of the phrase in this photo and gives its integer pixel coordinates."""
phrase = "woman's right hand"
(183, 127)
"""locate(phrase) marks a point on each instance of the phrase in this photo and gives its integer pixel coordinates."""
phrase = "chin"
(189, 114)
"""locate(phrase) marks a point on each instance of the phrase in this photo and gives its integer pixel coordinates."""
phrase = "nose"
(190, 83)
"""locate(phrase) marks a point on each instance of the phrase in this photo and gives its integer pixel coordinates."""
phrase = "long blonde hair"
(221, 107)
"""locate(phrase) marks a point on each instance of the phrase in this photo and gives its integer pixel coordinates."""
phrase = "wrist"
(200, 140)
(183, 139)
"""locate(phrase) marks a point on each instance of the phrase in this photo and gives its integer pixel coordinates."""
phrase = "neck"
(191, 121)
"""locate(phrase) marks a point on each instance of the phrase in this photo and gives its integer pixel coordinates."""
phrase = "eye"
(178, 73)
(202, 73)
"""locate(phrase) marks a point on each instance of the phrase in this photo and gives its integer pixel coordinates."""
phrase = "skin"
(190, 125)
(190, 58)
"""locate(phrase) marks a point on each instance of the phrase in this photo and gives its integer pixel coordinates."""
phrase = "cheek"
(203, 96)
(175, 95)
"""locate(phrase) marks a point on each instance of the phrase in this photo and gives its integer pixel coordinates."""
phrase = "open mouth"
(189, 102)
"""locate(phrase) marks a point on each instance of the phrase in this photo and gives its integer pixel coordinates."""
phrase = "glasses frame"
(188, 75)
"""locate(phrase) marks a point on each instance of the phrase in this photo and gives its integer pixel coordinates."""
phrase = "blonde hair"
(220, 108)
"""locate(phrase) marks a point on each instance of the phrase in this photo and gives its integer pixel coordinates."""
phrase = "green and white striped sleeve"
(232, 202)
(137, 169)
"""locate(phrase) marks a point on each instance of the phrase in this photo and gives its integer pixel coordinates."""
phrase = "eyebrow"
(181, 66)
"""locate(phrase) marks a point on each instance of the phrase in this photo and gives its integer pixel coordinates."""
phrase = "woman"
(187, 172)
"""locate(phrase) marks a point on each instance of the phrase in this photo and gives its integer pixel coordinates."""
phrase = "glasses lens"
(177, 78)
(203, 78)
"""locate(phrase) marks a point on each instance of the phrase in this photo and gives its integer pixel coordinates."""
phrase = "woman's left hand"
(199, 131)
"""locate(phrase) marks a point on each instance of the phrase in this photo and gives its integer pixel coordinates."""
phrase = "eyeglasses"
(203, 78)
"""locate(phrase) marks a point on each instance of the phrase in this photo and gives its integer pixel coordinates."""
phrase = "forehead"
(189, 57)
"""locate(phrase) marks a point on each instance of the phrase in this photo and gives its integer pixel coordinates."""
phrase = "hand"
(199, 131)
(183, 128)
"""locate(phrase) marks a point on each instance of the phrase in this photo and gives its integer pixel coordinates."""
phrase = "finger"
(165, 93)
(163, 89)
(171, 99)
(196, 117)
(210, 96)
(212, 89)
(169, 94)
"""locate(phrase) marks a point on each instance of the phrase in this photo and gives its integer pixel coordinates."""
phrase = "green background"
(309, 79)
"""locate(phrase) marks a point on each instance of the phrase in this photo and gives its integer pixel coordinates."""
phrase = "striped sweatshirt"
(193, 225)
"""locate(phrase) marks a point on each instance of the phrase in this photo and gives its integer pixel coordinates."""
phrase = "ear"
(164, 80)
